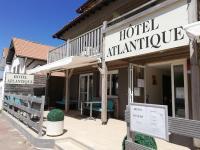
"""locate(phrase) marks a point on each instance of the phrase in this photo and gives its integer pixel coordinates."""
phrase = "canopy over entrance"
(193, 29)
(66, 63)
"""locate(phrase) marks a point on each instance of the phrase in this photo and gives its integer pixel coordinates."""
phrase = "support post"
(195, 67)
(104, 81)
(47, 89)
(195, 63)
(41, 116)
(66, 91)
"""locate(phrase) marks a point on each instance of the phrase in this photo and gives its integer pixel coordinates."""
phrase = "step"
(70, 144)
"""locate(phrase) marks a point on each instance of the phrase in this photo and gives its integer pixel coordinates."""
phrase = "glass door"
(179, 89)
(85, 87)
(136, 83)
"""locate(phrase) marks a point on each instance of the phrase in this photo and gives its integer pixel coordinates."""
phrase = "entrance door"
(167, 92)
(85, 87)
(136, 84)
(160, 89)
(179, 89)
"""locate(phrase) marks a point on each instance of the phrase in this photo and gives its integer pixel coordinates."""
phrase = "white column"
(130, 84)
(7, 68)
(2, 96)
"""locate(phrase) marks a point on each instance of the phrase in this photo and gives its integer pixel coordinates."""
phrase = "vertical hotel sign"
(160, 30)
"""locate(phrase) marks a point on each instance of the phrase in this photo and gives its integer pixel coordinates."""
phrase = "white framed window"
(112, 83)
(14, 69)
(18, 69)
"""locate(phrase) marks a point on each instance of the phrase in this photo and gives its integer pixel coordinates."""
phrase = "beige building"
(129, 51)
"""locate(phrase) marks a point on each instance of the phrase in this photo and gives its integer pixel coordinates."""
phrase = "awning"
(65, 63)
(193, 29)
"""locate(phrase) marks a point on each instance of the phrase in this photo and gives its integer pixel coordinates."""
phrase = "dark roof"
(97, 6)
(82, 8)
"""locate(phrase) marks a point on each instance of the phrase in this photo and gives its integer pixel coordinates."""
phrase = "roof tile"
(30, 49)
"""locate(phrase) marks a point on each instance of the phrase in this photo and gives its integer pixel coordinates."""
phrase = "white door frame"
(184, 63)
(131, 82)
(88, 84)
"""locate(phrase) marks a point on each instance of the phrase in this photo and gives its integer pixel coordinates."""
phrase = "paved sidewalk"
(11, 139)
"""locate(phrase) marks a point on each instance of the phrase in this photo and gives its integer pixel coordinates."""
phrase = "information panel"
(19, 78)
(149, 119)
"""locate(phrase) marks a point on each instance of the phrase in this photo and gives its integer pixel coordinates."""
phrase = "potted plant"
(142, 139)
(55, 122)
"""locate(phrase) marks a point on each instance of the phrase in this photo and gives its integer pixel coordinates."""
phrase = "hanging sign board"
(19, 78)
(157, 31)
(149, 119)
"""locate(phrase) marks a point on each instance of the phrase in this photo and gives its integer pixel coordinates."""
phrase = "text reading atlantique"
(135, 41)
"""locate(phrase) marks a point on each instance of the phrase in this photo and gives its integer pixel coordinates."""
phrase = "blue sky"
(35, 20)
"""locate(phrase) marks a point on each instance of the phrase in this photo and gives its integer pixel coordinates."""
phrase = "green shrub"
(144, 140)
(55, 115)
(123, 143)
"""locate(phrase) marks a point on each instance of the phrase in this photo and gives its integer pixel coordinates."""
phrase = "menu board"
(149, 119)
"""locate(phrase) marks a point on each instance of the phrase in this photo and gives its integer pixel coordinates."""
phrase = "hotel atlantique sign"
(19, 78)
(157, 31)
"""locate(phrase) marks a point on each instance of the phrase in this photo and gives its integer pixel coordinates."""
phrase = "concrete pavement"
(10, 138)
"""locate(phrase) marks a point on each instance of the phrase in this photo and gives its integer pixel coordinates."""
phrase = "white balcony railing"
(87, 44)
(2, 63)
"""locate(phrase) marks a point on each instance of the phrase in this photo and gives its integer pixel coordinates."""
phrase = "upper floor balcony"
(87, 44)
(2, 63)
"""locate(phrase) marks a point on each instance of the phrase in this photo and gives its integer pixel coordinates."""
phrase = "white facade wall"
(1, 93)
(24, 64)
(2, 83)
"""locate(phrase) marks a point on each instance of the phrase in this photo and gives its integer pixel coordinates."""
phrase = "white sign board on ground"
(149, 119)
(157, 31)
(12, 78)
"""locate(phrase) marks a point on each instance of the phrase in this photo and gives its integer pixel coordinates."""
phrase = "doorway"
(166, 84)
(163, 83)
(158, 85)
(167, 92)
(85, 88)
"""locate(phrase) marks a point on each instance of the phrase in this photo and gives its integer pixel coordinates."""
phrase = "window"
(18, 67)
(112, 89)
(13, 69)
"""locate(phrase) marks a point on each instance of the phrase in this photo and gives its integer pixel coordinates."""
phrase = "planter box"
(55, 128)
